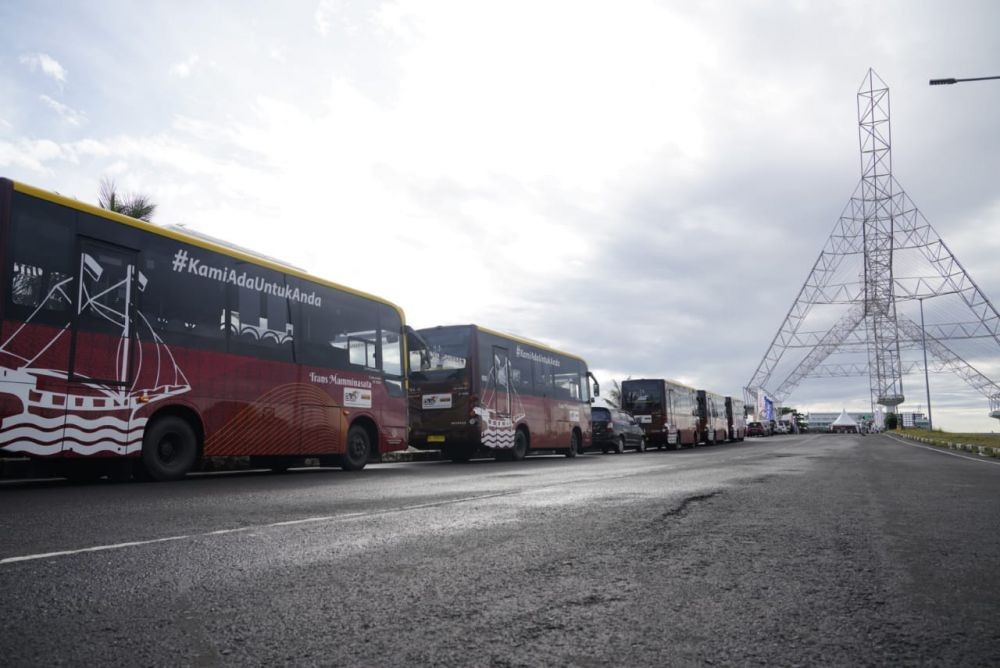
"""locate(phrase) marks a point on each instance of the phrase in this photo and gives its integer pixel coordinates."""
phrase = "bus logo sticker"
(433, 401)
(357, 397)
(574, 416)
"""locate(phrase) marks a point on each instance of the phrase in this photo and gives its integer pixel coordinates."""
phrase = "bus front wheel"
(574, 445)
(169, 448)
(359, 447)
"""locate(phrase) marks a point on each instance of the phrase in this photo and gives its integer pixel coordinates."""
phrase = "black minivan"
(614, 430)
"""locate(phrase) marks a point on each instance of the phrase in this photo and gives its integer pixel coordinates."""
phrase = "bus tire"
(620, 446)
(520, 449)
(574, 445)
(357, 450)
(169, 448)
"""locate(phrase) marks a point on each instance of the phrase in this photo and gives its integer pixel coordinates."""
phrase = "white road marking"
(971, 458)
(256, 527)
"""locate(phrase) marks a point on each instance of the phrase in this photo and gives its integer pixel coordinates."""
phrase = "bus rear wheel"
(169, 448)
(359, 448)
(520, 449)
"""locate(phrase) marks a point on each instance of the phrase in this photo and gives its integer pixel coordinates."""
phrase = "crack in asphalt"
(687, 501)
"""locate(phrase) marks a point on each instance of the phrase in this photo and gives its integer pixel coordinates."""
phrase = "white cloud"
(32, 154)
(278, 54)
(68, 114)
(46, 63)
(183, 69)
(323, 16)
(553, 169)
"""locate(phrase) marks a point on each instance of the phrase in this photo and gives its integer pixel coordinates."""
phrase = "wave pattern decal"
(497, 432)
(30, 434)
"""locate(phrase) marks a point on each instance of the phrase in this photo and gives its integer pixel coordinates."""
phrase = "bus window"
(390, 342)
(42, 247)
(259, 322)
(183, 307)
(543, 382)
(567, 384)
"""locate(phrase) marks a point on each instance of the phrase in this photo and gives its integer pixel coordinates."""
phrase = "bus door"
(501, 401)
(103, 351)
(392, 414)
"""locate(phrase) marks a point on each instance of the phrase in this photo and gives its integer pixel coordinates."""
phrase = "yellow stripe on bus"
(194, 241)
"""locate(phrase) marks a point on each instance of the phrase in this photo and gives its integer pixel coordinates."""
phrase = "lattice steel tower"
(855, 315)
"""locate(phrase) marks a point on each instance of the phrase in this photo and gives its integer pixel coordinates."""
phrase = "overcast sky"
(646, 184)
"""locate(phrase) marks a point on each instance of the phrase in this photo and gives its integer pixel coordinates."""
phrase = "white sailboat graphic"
(498, 426)
(82, 413)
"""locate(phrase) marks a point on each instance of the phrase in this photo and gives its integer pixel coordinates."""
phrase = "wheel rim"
(166, 449)
(357, 447)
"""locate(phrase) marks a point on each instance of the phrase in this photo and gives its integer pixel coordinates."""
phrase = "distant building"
(918, 420)
(822, 421)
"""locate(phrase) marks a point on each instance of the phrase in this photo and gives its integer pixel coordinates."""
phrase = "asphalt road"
(816, 549)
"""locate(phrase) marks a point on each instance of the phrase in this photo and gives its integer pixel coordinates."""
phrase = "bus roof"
(662, 380)
(517, 339)
(195, 239)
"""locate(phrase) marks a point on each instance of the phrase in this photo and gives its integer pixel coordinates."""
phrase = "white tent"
(844, 423)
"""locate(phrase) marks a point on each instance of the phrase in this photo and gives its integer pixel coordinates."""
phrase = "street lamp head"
(941, 82)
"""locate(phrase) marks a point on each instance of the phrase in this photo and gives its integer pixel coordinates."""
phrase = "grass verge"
(983, 444)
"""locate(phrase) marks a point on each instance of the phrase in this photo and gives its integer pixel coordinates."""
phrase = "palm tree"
(134, 205)
(615, 394)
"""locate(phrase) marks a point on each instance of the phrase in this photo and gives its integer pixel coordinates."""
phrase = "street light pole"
(942, 82)
(927, 381)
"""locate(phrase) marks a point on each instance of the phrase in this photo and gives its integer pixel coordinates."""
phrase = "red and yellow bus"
(120, 339)
(474, 391)
(666, 410)
(712, 424)
(736, 418)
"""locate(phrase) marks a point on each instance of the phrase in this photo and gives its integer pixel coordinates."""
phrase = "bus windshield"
(448, 349)
(642, 396)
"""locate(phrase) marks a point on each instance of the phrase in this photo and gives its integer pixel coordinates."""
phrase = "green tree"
(134, 205)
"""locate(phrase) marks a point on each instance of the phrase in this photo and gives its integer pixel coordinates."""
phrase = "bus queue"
(128, 343)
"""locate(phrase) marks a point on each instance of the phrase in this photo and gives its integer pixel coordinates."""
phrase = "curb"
(20, 468)
(411, 455)
(981, 450)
